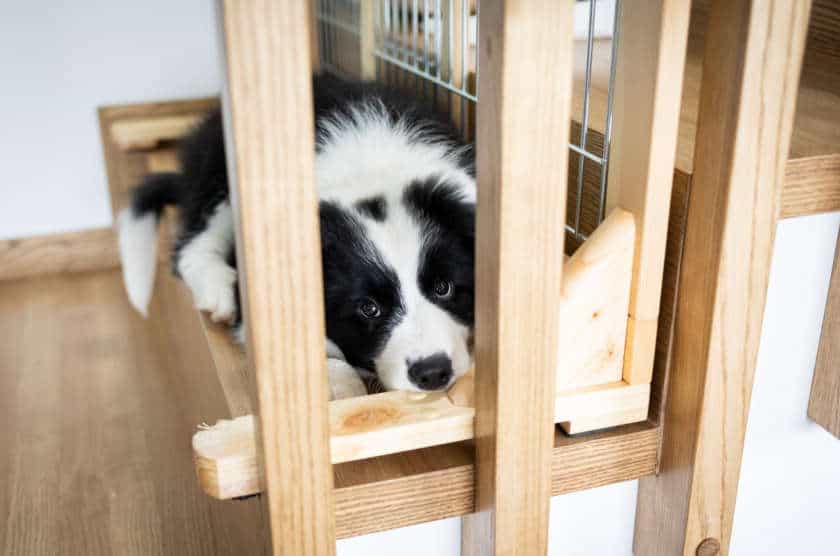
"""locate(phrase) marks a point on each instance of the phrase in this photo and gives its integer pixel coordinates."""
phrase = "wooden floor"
(95, 455)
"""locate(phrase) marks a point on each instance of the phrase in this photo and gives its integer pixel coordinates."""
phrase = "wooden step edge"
(812, 186)
(226, 458)
(147, 133)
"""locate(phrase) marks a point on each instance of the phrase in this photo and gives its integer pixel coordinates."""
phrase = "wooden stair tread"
(432, 483)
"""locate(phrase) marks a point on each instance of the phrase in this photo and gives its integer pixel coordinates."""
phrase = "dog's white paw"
(214, 291)
(344, 381)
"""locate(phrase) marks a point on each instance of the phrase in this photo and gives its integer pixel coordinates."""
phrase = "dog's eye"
(443, 289)
(369, 309)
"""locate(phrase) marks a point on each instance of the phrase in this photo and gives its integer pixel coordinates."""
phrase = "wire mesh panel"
(596, 46)
(429, 46)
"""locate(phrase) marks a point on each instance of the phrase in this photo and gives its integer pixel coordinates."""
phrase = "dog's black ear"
(441, 204)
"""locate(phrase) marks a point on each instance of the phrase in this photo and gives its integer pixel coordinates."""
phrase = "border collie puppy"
(397, 214)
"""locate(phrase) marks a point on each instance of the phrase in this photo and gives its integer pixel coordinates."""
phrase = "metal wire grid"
(429, 57)
(581, 148)
(420, 40)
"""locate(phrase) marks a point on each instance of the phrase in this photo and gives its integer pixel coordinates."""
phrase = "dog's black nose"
(431, 373)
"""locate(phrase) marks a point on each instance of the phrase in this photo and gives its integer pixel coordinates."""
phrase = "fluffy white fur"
(367, 155)
(205, 270)
(138, 255)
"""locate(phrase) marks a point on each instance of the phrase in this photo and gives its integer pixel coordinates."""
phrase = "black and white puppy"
(397, 214)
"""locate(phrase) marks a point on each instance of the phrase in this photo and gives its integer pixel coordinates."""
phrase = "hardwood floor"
(95, 430)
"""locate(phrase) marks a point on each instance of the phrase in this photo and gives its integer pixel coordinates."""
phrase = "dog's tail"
(137, 231)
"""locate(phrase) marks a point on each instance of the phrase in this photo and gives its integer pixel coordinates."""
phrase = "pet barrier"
(576, 118)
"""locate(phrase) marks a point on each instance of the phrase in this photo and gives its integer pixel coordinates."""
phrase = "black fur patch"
(448, 252)
(353, 272)
(375, 208)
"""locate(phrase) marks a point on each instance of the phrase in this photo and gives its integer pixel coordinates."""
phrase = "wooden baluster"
(750, 80)
(271, 152)
(523, 130)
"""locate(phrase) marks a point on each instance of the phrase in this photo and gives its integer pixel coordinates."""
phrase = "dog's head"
(399, 282)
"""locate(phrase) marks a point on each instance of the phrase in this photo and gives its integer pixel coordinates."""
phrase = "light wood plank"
(435, 483)
(521, 165)
(812, 186)
(58, 253)
(225, 454)
(133, 134)
(646, 116)
(231, 367)
(824, 406)
(423, 485)
(744, 127)
(594, 304)
(393, 422)
(270, 146)
(602, 406)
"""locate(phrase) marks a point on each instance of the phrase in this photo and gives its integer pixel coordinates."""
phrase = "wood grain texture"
(95, 411)
(520, 212)
(646, 116)
(270, 148)
(670, 290)
(744, 128)
(824, 406)
(231, 365)
(225, 453)
(602, 406)
(58, 253)
(812, 186)
(593, 306)
(433, 483)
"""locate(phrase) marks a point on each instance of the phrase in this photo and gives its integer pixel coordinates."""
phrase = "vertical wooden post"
(271, 163)
(367, 39)
(524, 92)
(750, 80)
(648, 88)
(824, 406)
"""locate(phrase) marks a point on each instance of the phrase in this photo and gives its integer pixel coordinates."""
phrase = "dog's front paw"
(344, 380)
(214, 291)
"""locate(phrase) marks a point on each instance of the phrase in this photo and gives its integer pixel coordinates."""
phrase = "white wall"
(60, 60)
(789, 493)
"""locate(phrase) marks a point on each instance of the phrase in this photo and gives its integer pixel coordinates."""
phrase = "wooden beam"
(752, 63)
(824, 407)
(425, 485)
(270, 146)
(649, 77)
(57, 253)
(522, 167)
(812, 186)
(225, 454)
(147, 133)
(411, 487)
